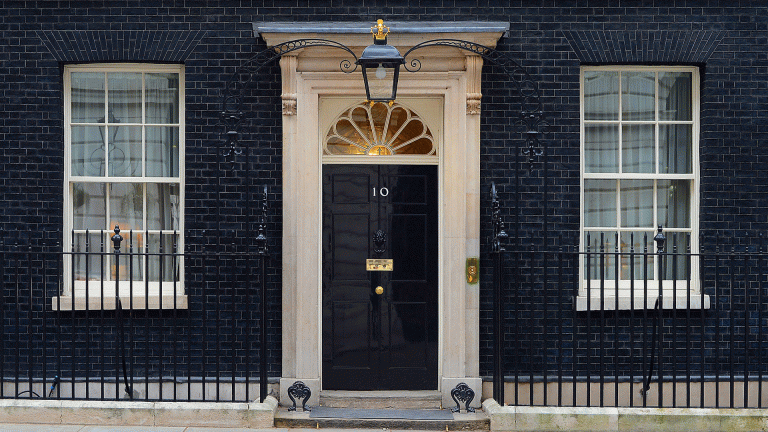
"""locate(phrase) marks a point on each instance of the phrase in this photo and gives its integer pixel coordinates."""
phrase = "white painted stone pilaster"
(300, 300)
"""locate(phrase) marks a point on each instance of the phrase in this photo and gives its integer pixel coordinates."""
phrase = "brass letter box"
(378, 264)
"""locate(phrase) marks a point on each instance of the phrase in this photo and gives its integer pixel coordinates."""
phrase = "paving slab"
(207, 429)
(131, 429)
(10, 427)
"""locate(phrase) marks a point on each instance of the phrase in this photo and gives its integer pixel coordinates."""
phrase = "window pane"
(601, 260)
(129, 268)
(601, 95)
(600, 148)
(163, 206)
(87, 97)
(379, 130)
(675, 143)
(88, 266)
(126, 206)
(163, 263)
(89, 206)
(674, 198)
(675, 97)
(162, 98)
(637, 203)
(131, 259)
(124, 97)
(87, 150)
(637, 266)
(677, 265)
(638, 149)
(638, 95)
(162, 151)
(397, 118)
(599, 203)
(125, 154)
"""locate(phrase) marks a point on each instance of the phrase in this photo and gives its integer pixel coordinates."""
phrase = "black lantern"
(381, 66)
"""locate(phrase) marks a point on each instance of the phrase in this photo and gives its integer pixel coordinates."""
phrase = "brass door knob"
(379, 290)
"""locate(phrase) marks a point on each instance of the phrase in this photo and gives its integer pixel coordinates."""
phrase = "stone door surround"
(448, 73)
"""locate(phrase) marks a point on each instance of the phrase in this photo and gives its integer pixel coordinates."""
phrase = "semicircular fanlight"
(379, 129)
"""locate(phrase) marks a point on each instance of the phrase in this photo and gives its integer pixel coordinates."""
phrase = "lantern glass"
(380, 81)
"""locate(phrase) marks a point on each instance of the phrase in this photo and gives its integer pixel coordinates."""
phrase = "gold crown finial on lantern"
(380, 31)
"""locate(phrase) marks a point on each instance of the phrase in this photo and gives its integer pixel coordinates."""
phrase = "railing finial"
(117, 238)
(660, 239)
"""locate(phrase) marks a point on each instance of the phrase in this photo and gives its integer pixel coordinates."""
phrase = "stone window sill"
(680, 301)
(68, 303)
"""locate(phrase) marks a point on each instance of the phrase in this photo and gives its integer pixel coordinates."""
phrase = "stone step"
(419, 399)
(477, 421)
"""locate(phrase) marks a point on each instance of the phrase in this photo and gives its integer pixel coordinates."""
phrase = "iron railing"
(572, 336)
(120, 321)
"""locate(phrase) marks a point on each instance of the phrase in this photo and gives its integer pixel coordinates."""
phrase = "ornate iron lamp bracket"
(532, 114)
(233, 105)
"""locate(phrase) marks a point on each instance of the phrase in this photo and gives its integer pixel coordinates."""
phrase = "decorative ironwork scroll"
(233, 106)
(233, 111)
(299, 390)
(462, 393)
(531, 117)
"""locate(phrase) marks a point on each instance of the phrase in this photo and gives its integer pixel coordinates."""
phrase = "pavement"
(91, 428)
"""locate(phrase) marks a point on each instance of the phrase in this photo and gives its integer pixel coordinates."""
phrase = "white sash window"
(639, 170)
(124, 157)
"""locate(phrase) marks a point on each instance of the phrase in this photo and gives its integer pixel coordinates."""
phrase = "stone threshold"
(129, 413)
(461, 422)
(545, 419)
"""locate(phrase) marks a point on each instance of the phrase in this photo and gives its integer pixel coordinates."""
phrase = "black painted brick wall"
(727, 39)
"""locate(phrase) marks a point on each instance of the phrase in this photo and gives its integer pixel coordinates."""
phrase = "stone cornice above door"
(403, 35)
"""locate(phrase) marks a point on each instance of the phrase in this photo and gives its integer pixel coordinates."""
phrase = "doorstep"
(477, 421)
(382, 399)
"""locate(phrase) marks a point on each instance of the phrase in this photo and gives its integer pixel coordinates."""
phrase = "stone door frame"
(448, 73)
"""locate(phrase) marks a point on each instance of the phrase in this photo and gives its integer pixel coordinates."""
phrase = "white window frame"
(137, 294)
(632, 294)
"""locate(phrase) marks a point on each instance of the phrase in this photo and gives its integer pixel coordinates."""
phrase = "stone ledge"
(125, 413)
(511, 418)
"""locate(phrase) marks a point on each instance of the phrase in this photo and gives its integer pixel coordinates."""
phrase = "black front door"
(379, 317)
